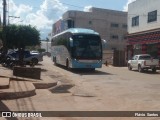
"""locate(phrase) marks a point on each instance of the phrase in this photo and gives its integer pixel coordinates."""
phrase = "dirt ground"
(106, 89)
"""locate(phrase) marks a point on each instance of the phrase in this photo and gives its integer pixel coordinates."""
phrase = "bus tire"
(67, 64)
(55, 61)
(106, 63)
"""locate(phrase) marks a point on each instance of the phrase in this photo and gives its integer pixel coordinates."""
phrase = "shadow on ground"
(82, 71)
(148, 72)
(4, 108)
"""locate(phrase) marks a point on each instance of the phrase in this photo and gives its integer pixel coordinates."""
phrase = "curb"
(21, 88)
(4, 83)
(44, 85)
(18, 89)
(16, 95)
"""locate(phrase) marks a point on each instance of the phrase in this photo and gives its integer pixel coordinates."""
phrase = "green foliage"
(1, 32)
(41, 50)
(19, 36)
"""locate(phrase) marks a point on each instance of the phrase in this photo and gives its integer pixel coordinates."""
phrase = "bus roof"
(81, 30)
(78, 30)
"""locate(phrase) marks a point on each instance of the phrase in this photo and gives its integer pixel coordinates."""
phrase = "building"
(143, 28)
(111, 24)
(1, 27)
(58, 27)
(46, 45)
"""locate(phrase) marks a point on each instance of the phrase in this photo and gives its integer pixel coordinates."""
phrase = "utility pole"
(47, 40)
(8, 12)
(4, 13)
(4, 27)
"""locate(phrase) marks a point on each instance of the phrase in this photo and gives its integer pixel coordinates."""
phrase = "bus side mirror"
(71, 42)
(104, 44)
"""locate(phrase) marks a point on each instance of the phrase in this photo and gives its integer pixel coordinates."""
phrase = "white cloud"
(42, 17)
(125, 8)
(87, 8)
(52, 8)
(19, 10)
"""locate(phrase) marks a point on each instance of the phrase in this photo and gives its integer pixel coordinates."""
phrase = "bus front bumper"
(86, 63)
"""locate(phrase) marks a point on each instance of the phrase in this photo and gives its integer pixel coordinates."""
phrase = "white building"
(46, 45)
(144, 27)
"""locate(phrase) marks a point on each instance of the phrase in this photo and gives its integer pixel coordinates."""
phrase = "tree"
(20, 36)
(41, 50)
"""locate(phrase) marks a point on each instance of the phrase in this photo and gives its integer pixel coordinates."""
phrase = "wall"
(141, 8)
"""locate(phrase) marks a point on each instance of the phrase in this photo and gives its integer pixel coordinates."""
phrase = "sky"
(43, 13)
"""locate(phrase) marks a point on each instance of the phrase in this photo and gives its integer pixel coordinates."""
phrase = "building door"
(152, 49)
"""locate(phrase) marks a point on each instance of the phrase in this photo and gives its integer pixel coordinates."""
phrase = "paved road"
(106, 89)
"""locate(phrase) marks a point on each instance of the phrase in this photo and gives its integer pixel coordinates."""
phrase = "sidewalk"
(13, 87)
(5, 72)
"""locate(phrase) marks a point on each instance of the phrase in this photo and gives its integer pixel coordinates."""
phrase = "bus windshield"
(87, 47)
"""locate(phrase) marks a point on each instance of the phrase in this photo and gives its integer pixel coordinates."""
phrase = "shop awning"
(144, 38)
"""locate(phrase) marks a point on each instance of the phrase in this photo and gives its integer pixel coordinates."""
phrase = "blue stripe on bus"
(76, 64)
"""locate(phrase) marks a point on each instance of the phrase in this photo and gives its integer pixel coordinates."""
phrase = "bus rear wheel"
(55, 61)
(67, 64)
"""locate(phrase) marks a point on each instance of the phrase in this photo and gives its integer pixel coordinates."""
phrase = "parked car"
(143, 62)
(28, 56)
(34, 52)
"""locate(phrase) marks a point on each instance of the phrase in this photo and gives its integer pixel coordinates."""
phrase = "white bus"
(77, 48)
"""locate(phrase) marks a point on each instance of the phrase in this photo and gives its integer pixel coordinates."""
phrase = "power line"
(73, 5)
(61, 2)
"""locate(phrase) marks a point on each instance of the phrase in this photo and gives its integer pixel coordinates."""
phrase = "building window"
(90, 22)
(124, 26)
(114, 37)
(135, 21)
(70, 23)
(114, 25)
(114, 48)
(152, 16)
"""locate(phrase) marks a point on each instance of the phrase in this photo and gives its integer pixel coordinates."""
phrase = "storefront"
(144, 43)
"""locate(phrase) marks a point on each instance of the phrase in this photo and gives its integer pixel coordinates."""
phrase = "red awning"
(146, 38)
